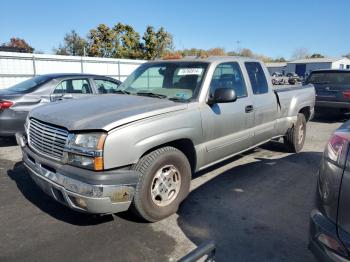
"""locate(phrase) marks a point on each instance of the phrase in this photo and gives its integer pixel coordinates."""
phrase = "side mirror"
(223, 95)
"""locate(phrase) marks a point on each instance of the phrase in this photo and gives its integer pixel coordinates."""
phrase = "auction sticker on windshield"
(190, 71)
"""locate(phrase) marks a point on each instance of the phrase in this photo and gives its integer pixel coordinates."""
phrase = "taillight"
(337, 147)
(346, 94)
(332, 243)
(5, 104)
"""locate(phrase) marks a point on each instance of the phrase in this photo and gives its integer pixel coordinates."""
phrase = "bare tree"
(300, 53)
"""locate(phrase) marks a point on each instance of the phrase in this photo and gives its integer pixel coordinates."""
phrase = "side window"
(105, 86)
(73, 86)
(228, 75)
(257, 78)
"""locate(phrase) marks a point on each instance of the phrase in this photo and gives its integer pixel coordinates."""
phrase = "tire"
(295, 136)
(149, 202)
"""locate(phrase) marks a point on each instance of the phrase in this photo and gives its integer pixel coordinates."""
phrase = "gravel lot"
(255, 206)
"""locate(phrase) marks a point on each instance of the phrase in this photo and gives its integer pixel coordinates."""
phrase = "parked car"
(332, 88)
(293, 78)
(172, 118)
(277, 74)
(278, 80)
(18, 100)
(330, 220)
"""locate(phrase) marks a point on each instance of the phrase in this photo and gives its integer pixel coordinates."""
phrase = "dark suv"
(330, 220)
(332, 88)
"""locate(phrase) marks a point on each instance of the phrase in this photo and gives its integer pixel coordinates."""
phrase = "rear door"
(343, 207)
(264, 103)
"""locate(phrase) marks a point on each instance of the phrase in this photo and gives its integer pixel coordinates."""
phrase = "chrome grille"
(47, 139)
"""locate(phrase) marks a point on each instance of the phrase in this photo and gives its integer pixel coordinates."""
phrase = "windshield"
(28, 85)
(329, 78)
(176, 81)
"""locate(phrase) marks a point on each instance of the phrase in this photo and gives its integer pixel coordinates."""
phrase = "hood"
(103, 112)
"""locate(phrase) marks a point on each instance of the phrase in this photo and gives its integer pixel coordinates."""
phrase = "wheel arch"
(185, 145)
(306, 111)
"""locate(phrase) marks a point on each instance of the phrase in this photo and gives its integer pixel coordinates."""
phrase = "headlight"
(86, 150)
(92, 141)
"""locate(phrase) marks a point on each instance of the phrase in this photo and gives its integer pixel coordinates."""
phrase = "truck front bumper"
(82, 190)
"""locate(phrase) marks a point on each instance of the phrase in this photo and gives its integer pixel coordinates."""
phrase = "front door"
(71, 88)
(227, 127)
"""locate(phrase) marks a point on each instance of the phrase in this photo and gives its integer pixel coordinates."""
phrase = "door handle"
(249, 109)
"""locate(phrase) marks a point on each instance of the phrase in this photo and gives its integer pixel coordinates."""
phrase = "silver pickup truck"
(138, 149)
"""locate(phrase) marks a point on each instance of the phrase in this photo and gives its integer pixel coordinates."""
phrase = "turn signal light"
(346, 94)
(98, 163)
(5, 104)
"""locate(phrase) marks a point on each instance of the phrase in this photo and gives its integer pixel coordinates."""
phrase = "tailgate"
(336, 93)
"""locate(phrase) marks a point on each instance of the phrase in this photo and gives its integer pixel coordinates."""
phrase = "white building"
(304, 66)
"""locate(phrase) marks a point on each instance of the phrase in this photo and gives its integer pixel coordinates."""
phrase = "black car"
(332, 88)
(330, 220)
(18, 100)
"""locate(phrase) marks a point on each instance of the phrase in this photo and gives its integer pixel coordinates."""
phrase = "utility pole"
(237, 44)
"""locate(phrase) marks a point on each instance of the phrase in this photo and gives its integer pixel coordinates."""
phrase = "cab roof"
(210, 59)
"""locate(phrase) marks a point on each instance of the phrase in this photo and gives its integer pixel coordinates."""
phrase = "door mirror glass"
(223, 95)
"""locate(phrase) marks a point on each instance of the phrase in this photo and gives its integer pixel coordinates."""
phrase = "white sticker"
(190, 71)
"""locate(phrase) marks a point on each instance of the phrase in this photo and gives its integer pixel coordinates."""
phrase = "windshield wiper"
(122, 92)
(179, 99)
(150, 94)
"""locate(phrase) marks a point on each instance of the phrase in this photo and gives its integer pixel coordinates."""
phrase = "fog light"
(80, 202)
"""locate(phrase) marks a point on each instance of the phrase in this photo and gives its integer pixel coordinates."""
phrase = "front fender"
(125, 145)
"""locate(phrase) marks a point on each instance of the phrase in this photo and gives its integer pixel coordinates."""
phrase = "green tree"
(156, 44)
(281, 59)
(17, 45)
(129, 42)
(73, 45)
(316, 55)
(102, 42)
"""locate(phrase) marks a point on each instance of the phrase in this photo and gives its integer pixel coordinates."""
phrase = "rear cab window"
(257, 78)
(73, 86)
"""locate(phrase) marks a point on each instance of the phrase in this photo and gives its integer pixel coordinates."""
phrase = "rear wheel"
(295, 136)
(163, 184)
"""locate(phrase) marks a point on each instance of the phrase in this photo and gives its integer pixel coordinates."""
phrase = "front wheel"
(295, 136)
(164, 182)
